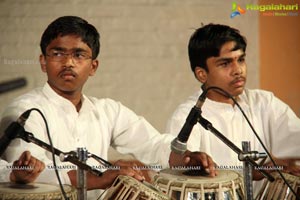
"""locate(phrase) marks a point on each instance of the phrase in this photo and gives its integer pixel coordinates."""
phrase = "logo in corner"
(236, 10)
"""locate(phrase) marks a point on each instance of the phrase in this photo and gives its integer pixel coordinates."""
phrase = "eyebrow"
(222, 59)
(65, 49)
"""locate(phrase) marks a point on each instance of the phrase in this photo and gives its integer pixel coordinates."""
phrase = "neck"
(73, 96)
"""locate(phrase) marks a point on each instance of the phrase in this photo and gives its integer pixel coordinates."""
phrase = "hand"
(138, 166)
(193, 159)
(120, 167)
(26, 169)
(286, 165)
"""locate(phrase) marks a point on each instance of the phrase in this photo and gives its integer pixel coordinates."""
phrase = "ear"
(94, 67)
(201, 74)
(43, 63)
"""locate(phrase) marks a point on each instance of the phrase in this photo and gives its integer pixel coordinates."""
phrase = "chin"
(236, 92)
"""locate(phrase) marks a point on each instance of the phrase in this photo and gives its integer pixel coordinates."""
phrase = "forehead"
(229, 50)
(68, 42)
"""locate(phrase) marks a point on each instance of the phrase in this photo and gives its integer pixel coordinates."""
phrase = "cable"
(53, 154)
(104, 192)
(224, 93)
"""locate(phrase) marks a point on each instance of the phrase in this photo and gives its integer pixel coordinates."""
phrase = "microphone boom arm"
(208, 126)
(29, 137)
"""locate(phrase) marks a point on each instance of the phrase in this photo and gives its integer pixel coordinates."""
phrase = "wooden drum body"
(128, 188)
(278, 189)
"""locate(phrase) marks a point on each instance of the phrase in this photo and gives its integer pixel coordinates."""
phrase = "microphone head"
(178, 147)
(12, 84)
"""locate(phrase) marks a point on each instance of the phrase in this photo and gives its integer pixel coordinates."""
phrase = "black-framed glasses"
(61, 56)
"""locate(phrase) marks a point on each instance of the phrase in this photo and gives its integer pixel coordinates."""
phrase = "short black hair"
(208, 40)
(72, 25)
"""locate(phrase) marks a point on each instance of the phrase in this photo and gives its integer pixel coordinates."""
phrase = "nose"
(69, 61)
(236, 68)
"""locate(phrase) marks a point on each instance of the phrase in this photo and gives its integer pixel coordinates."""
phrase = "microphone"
(13, 130)
(12, 84)
(178, 145)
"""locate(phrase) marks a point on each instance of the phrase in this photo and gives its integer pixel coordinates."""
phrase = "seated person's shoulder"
(259, 94)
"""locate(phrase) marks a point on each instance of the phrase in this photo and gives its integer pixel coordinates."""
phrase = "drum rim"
(181, 178)
(28, 191)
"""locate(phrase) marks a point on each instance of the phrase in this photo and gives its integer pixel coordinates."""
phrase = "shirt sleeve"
(132, 134)
(36, 126)
(4, 171)
(284, 129)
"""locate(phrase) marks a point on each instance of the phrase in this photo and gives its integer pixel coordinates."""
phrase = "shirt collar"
(63, 102)
(242, 101)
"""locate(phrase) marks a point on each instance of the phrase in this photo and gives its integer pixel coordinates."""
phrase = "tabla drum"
(278, 189)
(227, 185)
(35, 191)
(128, 188)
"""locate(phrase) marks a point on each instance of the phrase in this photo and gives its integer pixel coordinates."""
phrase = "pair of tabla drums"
(168, 184)
(175, 185)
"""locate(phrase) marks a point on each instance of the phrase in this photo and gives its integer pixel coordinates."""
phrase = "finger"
(130, 172)
(42, 166)
(16, 163)
(134, 165)
(24, 158)
(211, 166)
(31, 165)
(204, 160)
(186, 160)
(35, 168)
(293, 169)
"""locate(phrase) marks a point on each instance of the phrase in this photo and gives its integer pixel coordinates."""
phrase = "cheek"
(245, 69)
(91, 72)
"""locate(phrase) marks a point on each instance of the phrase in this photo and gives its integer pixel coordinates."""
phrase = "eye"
(57, 54)
(242, 60)
(224, 64)
(81, 55)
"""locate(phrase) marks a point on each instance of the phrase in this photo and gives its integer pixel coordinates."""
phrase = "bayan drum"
(128, 188)
(227, 185)
(35, 191)
(278, 189)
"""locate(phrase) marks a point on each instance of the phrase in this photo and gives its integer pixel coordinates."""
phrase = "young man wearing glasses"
(70, 46)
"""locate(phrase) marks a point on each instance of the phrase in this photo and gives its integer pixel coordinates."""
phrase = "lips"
(238, 82)
(68, 74)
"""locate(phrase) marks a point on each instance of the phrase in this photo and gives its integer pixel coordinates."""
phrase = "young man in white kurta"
(276, 124)
(70, 46)
(217, 57)
(99, 124)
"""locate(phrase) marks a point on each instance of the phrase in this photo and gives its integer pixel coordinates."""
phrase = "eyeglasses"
(60, 56)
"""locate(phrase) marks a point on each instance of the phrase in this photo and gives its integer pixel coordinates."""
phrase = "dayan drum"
(35, 191)
(128, 188)
(278, 189)
(227, 185)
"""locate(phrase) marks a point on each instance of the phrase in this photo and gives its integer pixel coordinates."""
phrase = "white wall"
(143, 58)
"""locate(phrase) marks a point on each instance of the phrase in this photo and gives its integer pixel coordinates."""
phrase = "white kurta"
(5, 169)
(276, 124)
(99, 124)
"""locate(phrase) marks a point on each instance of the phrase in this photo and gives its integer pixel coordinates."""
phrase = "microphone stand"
(245, 156)
(82, 154)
